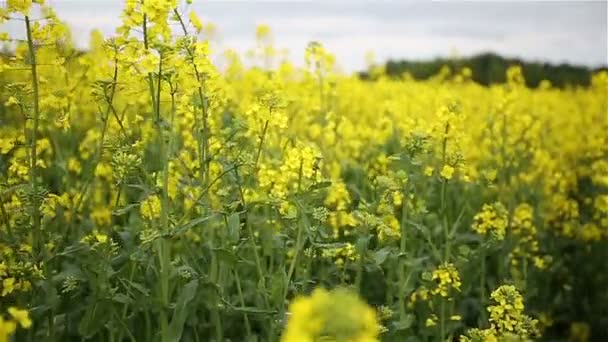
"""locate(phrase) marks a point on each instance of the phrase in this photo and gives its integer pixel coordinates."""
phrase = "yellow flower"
(104, 171)
(262, 31)
(102, 216)
(11, 101)
(478, 335)
(74, 165)
(507, 313)
(22, 6)
(101, 238)
(21, 316)
(447, 172)
(7, 328)
(150, 208)
(446, 277)
(331, 314)
(579, 331)
(196, 21)
(491, 219)
(8, 286)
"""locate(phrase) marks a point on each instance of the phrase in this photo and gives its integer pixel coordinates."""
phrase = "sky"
(557, 31)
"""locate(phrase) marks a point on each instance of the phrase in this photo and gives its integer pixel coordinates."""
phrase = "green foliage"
(489, 68)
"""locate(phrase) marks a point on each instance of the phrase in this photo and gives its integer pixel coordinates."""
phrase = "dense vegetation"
(146, 195)
(490, 69)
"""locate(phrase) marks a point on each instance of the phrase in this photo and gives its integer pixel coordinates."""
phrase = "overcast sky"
(564, 31)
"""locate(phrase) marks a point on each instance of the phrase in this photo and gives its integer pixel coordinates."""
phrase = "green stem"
(99, 152)
(162, 247)
(261, 144)
(6, 219)
(444, 221)
(258, 262)
(37, 235)
(444, 184)
(214, 274)
(148, 325)
(442, 320)
(217, 322)
(51, 323)
(525, 270)
(402, 254)
(251, 238)
(360, 264)
(124, 327)
(242, 300)
(292, 267)
(482, 284)
(203, 99)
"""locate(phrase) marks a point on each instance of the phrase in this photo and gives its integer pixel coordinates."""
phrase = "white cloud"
(573, 31)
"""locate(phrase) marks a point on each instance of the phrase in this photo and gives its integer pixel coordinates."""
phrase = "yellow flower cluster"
(492, 219)
(341, 255)
(525, 231)
(507, 313)
(280, 176)
(150, 207)
(507, 319)
(17, 273)
(446, 278)
(336, 315)
(8, 326)
(447, 172)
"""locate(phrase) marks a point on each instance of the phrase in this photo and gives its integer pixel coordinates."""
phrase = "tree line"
(490, 68)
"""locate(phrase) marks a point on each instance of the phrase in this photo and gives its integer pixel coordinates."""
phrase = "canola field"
(148, 194)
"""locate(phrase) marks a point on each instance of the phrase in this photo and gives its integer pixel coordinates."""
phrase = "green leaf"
(124, 210)
(381, 255)
(415, 262)
(193, 223)
(94, 319)
(176, 327)
(122, 298)
(405, 323)
(139, 287)
(234, 227)
(362, 243)
(253, 310)
(320, 185)
(226, 256)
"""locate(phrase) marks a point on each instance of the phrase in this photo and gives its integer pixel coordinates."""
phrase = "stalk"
(203, 99)
(37, 236)
(6, 219)
(360, 265)
(401, 268)
(242, 300)
(482, 284)
(99, 152)
(292, 267)
(442, 319)
(162, 246)
(444, 219)
(251, 238)
(258, 262)
(444, 184)
(261, 144)
(215, 314)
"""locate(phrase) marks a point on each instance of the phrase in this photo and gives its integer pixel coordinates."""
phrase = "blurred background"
(562, 41)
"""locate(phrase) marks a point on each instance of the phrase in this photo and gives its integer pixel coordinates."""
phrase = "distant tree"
(490, 68)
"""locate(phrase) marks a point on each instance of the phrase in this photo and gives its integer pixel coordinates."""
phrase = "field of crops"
(148, 195)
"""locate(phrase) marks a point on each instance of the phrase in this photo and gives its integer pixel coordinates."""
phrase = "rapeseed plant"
(146, 194)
